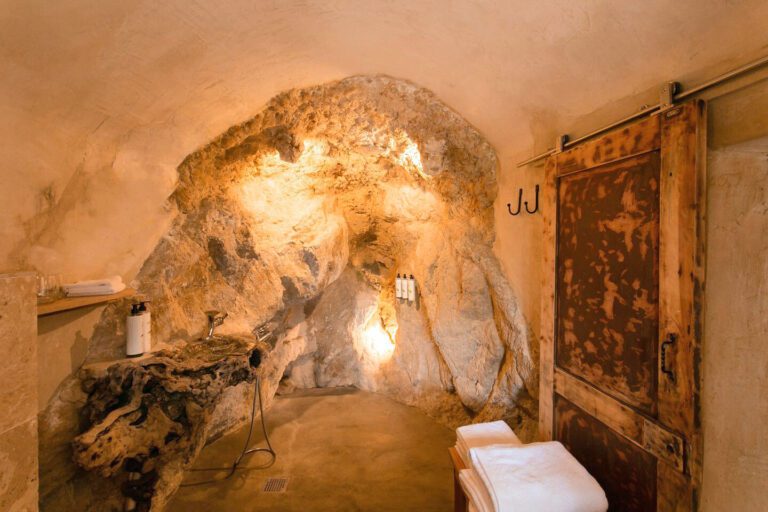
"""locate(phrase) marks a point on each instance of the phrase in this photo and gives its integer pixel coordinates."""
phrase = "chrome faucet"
(215, 318)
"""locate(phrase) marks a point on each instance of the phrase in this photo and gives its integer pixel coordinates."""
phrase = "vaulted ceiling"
(101, 99)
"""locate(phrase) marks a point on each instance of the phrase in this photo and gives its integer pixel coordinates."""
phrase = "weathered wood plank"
(547, 341)
(695, 452)
(682, 273)
(607, 273)
(655, 439)
(626, 472)
(69, 303)
(665, 445)
(675, 493)
(634, 139)
(459, 498)
(619, 417)
(458, 462)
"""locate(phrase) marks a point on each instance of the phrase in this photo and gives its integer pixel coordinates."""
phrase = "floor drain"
(275, 485)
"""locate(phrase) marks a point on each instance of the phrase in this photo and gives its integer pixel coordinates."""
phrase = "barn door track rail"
(669, 94)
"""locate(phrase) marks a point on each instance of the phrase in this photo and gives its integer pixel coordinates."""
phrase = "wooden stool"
(459, 498)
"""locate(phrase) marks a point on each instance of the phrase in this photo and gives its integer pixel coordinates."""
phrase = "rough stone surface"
(18, 458)
(18, 331)
(303, 215)
(152, 417)
(296, 223)
(18, 393)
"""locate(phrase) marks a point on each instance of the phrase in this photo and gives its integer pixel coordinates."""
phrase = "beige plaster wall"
(61, 348)
(18, 393)
(734, 405)
(735, 350)
(518, 238)
(102, 100)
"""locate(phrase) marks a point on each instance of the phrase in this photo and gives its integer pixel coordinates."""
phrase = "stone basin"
(215, 349)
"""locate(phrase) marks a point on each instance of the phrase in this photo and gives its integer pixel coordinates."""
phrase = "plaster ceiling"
(102, 99)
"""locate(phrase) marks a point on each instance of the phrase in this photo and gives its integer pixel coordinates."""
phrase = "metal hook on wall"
(536, 208)
(520, 203)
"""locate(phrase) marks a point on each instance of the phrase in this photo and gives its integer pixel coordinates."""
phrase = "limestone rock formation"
(302, 217)
(371, 175)
(296, 223)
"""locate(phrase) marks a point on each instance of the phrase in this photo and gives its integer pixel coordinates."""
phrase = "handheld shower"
(215, 318)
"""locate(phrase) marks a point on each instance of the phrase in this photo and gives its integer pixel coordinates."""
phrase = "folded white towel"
(106, 282)
(474, 488)
(482, 434)
(106, 286)
(539, 476)
(87, 292)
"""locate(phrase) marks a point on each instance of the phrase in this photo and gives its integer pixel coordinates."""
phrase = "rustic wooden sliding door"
(620, 348)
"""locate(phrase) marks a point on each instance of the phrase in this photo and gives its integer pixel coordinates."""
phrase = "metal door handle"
(671, 339)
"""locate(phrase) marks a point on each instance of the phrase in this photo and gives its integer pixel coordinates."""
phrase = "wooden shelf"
(69, 303)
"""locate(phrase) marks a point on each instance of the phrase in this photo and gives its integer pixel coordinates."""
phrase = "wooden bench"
(460, 499)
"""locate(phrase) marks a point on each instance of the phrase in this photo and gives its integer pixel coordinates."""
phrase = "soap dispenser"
(411, 289)
(146, 325)
(398, 287)
(134, 332)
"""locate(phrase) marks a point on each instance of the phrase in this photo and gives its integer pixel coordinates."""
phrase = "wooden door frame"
(680, 135)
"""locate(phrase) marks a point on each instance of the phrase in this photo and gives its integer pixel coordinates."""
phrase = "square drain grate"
(275, 485)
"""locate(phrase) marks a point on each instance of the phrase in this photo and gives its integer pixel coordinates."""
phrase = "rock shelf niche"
(151, 417)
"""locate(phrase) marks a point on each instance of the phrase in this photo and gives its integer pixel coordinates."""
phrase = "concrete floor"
(342, 450)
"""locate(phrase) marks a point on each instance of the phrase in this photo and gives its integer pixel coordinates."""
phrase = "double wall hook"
(520, 203)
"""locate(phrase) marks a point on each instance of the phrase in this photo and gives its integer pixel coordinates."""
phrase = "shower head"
(215, 318)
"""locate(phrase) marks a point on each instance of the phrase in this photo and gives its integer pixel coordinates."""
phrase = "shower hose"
(246, 450)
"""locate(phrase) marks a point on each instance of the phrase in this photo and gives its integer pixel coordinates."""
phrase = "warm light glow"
(313, 148)
(282, 203)
(410, 201)
(410, 157)
(378, 342)
(282, 197)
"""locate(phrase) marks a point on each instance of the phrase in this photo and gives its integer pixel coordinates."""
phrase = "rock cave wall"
(299, 220)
